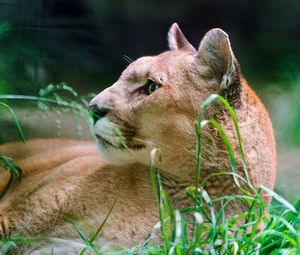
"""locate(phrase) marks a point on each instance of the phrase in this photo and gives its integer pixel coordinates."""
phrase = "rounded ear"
(215, 53)
(177, 40)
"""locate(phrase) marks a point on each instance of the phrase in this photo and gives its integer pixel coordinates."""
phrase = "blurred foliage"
(284, 107)
(83, 42)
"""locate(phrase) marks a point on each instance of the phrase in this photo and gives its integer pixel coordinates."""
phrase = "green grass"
(201, 229)
(7, 163)
(210, 231)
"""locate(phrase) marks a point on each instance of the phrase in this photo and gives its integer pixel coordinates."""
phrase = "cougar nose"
(97, 112)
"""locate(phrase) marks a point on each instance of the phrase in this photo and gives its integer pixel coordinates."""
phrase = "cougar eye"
(149, 87)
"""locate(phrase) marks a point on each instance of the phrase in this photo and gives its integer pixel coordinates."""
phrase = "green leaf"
(18, 126)
(233, 116)
(227, 144)
(14, 170)
(84, 237)
(279, 198)
(95, 236)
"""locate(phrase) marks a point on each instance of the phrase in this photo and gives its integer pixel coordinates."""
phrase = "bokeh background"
(83, 43)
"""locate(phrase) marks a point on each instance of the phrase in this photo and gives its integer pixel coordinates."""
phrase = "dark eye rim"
(145, 89)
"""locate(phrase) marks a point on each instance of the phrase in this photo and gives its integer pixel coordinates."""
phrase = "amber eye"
(149, 87)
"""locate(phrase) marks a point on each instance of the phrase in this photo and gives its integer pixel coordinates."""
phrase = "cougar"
(154, 104)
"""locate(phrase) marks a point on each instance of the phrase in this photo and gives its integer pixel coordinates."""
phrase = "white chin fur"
(109, 131)
(112, 154)
(123, 156)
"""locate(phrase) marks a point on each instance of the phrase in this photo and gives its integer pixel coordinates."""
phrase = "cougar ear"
(215, 53)
(177, 40)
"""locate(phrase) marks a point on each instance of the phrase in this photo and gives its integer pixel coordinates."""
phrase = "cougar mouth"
(105, 143)
(111, 136)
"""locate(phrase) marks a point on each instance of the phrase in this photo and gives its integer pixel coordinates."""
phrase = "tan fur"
(64, 178)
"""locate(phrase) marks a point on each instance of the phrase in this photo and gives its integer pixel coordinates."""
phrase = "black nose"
(97, 112)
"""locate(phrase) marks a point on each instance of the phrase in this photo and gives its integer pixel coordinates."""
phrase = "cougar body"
(154, 104)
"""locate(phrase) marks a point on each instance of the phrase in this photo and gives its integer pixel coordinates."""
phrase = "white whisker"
(154, 143)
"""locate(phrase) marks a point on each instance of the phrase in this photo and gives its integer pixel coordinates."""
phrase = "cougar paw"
(5, 226)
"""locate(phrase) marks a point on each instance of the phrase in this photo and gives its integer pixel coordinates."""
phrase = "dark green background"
(83, 41)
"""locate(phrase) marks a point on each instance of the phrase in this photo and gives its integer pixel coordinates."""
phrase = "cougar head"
(156, 101)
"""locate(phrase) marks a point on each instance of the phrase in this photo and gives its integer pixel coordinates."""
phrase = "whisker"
(127, 59)
(154, 143)
(126, 147)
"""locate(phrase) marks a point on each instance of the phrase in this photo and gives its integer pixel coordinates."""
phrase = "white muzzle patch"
(109, 134)
(112, 144)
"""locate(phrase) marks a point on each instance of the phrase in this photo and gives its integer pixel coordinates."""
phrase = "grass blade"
(227, 144)
(279, 198)
(18, 126)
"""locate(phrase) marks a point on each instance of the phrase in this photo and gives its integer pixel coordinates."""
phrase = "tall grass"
(266, 230)
(7, 163)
